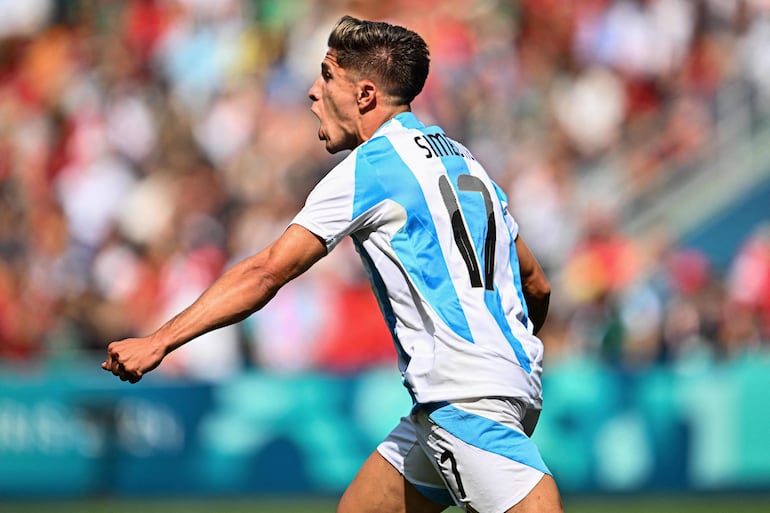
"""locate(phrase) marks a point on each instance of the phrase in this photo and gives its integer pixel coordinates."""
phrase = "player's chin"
(327, 142)
(339, 144)
(331, 147)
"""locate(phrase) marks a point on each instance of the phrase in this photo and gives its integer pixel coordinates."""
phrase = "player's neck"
(374, 119)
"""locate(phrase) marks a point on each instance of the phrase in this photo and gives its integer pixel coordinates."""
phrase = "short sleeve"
(328, 209)
(510, 222)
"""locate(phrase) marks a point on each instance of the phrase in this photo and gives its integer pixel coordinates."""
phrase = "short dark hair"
(396, 58)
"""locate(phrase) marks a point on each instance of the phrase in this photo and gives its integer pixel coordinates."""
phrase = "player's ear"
(366, 95)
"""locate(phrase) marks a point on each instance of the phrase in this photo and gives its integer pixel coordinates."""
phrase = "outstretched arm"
(239, 292)
(537, 289)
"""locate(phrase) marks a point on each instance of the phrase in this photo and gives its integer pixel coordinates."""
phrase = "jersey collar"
(405, 119)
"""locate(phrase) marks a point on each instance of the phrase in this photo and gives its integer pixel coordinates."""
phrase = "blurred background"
(146, 145)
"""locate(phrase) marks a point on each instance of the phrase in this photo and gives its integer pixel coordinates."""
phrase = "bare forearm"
(245, 288)
(238, 293)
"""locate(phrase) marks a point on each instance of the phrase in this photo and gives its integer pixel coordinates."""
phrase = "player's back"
(440, 246)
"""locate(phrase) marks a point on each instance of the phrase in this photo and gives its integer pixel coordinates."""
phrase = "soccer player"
(460, 291)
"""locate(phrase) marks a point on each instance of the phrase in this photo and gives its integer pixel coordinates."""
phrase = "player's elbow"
(266, 281)
(537, 293)
(254, 282)
(542, 288)
(537, 287)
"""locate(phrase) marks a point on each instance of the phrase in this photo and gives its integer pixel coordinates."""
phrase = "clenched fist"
(132, 358)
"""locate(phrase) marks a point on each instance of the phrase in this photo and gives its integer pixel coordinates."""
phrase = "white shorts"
(473, 454)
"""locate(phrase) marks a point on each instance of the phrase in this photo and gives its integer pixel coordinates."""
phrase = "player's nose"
(315, 91)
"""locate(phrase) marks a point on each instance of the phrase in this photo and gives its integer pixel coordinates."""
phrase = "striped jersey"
(438, 242)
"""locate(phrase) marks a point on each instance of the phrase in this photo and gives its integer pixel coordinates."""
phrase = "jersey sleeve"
(328, 210)
(510, 222)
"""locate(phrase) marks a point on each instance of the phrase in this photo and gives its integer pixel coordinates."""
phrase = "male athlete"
(461, 293)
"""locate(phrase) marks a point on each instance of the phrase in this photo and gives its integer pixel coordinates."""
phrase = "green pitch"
(642, 504)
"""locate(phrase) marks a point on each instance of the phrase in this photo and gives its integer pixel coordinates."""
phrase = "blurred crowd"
(146, 145)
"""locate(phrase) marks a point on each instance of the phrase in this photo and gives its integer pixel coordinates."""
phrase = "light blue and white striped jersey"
(436, 237)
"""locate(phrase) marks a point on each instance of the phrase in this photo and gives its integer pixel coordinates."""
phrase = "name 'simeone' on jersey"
(439, 145)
